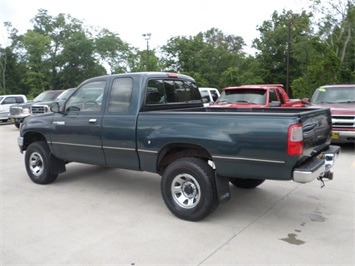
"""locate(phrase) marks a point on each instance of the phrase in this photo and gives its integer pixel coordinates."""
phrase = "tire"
(246, 183)
(37, 163)
(189, 189)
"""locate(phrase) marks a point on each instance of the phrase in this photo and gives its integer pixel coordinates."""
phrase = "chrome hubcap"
(36, 164)
(186, 191)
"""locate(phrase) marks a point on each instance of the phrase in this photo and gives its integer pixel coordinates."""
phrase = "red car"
(249, 96)
(341, 101)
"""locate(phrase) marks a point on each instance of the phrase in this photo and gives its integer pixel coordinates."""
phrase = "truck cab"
(8, 100)
(209, 95)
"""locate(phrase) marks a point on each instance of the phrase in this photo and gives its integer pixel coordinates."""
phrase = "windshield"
(243, 95)
(65, 94)
(47, 96)
(337, 94)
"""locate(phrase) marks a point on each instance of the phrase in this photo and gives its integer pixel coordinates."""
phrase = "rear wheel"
(189, 190)
(246, 183)
(37, 163)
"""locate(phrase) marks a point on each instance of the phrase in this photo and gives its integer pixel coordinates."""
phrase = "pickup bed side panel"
(238, 143)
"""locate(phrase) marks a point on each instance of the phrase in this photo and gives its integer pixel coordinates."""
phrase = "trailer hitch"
(327, 175)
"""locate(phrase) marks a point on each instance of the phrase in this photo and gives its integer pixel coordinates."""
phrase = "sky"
(163, 19)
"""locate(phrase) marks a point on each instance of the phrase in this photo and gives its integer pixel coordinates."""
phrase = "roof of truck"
(254, 86)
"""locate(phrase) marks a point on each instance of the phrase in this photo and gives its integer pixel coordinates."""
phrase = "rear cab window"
(171, 91)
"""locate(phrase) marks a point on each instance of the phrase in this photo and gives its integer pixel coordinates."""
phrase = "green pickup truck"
(156, 122)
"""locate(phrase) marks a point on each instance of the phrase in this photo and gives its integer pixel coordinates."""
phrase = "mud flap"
(57, 165)
(222, 185)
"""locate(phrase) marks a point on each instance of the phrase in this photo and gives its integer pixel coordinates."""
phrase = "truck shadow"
(144, 188)
(347, 147)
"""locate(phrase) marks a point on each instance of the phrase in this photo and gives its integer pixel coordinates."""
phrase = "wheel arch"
(31, 137)
(174, 151)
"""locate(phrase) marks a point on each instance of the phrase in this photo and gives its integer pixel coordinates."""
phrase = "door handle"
(92, 121)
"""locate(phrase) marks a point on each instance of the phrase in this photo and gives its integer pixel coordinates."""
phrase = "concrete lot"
(97, 216)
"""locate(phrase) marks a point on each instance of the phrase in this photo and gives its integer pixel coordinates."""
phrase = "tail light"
(295, 140)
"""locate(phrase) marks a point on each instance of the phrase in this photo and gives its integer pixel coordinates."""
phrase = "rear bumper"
(316, 166)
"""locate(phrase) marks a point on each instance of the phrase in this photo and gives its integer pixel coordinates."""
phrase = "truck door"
(119, 126)
(76, 133)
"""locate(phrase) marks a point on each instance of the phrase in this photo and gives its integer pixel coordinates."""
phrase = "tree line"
(302, 51)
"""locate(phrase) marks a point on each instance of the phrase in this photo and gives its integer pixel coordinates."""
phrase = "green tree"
(336, 24)
(114, 52)
(283, 47)
(210, 57)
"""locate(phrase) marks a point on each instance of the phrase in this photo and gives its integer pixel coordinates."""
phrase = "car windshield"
(65, 94)
(47, 96)
(243, 95)
(334, 94)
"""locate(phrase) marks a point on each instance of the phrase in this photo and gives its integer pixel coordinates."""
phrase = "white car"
(209, 95)
(6, 101)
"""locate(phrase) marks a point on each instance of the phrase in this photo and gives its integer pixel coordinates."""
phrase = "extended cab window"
(87, 98)
(165, 91)
(120, 97)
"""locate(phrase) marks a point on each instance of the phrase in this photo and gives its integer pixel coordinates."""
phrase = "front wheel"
(37, 163)
(189, 190)
(246, 183)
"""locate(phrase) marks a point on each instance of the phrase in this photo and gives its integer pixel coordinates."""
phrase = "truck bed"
(237, 139)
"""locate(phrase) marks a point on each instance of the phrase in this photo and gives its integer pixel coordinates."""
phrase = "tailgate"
(317, 129)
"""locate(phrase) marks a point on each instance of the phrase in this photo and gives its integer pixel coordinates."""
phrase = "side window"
(120, 98)
(19, 100)
(272, 95)
(9, 100)
(87, 98)
(205, 96)
(214, 95)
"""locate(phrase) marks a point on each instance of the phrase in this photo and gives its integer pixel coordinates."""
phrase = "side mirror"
(55, 108)
(305, 100)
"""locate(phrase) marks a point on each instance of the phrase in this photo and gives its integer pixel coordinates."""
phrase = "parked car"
(341, 101)
(209, 95)
(39, 105)
(156, 122)
(258, 95)
(8, 100)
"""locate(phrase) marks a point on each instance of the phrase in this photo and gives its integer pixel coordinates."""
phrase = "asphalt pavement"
(102, 216)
